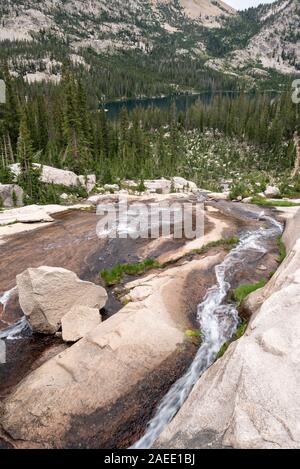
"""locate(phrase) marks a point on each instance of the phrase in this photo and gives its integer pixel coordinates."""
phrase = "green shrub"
(239, 189)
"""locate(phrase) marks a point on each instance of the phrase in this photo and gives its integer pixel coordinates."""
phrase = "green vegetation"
(239, 333)
(227, 243)
(115, 275)
(273, 203)
(243, 291)
(240, 137)
(282, 250)
(193, 333)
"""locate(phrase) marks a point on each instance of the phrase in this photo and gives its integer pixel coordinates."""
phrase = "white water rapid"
(13, 332)
(218, 321)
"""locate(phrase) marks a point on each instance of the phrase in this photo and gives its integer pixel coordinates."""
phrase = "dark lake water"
(182, 102)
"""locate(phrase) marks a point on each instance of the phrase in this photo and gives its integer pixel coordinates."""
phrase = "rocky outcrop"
(251, 397)
(50, 175)
(183, 185)
(78, 322)
(11, 195)
(159, 186)
(46, 294)
(72, 399)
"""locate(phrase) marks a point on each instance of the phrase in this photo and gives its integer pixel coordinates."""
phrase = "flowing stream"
(15, 331)
(218, 320)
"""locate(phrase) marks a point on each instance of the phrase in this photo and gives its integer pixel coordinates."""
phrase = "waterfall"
(218, 320)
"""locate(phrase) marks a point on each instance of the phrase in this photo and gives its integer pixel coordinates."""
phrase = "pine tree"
(28, 178)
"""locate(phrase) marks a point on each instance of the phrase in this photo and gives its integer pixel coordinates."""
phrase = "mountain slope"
(277, 45)
(166, 38)
(273, 42)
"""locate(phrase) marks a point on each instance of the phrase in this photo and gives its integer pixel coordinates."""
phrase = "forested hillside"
(148, 48)
(228, 138)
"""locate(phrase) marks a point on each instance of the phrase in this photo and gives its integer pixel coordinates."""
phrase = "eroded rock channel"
(102, 391)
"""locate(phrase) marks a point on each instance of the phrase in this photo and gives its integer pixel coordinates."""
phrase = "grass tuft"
(243, 291)
(193, 333)
(115, 275)
(228, 243)
(273, 203)
(282, 250)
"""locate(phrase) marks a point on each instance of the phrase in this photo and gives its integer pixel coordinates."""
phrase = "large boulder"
(46, 294)
(11, 195)
(159, 186)
(181, 184)
(78, 322)
(218, 196)
(51, 175)
(250, 398)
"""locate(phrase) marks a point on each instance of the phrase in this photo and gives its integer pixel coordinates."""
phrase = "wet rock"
(11, 195)
(78, 322)
(83, 393)
(250, 398)
(46, 294)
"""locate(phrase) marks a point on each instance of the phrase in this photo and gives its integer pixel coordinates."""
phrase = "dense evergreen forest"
(55, 125)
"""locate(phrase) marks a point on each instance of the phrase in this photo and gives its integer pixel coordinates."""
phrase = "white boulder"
(51, 175)
(180, 184)
(46, 294)
(272, 191)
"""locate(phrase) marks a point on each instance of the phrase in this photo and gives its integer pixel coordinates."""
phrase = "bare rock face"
(250, 398)
(11, 195)
(46, 294)
(87, 394)
(78, 322)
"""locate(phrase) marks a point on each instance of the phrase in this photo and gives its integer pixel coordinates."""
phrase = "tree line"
(55, 125)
